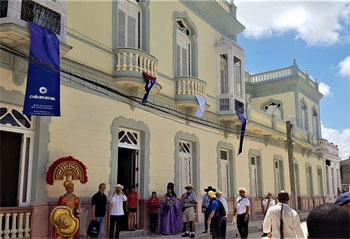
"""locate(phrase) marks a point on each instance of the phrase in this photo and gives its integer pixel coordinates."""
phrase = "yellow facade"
(85, 128)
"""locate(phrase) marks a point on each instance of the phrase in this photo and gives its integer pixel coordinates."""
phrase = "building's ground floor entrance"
(128, 165)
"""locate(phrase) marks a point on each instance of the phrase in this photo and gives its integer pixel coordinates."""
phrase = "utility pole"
(291, 164)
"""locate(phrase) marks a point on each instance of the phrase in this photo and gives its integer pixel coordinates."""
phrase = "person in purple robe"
(170, 213)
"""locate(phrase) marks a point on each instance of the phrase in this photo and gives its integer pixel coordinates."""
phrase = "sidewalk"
(232, 232)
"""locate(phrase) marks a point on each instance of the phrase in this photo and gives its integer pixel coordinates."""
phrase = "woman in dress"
(132, 208)
(71, 201)
(170, 219)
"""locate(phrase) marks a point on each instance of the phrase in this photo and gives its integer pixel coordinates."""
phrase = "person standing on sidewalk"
(116, 211)
(242, 211)
(99, 207)
(214, 217)
(131, 205)
(223, 222)
(153, 208)
(189, 213)
(266, 204)
(283, 219)
(205, 207)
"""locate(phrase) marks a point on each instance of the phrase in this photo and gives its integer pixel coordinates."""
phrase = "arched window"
(315, 125)
(273, 107)
(129, 23)
(304, 118)
(183, 49)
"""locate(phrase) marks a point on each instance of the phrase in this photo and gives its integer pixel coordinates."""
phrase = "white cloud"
(341, 139)
(324, 89)
(316, 22)
(344, 67)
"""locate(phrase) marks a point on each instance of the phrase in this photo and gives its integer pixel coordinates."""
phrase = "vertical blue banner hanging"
(150, 81)
(43, 83)
(243, 124)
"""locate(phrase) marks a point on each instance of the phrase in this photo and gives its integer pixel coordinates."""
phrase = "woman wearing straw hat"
(116, 211)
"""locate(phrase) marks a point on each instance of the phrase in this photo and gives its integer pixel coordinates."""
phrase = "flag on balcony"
(43, 82)
(150, 81)
(201, 102)
(243, 120)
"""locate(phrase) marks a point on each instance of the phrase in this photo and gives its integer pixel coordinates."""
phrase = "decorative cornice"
(226, 24)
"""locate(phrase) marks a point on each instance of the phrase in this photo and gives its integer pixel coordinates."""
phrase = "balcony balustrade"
(15, 222)
(131, 63)
(187, 87)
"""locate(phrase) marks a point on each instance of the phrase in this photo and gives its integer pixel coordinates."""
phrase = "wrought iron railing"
(3, 8)
(33, 12)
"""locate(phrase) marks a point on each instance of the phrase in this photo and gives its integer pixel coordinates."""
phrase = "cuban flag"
(150, 81)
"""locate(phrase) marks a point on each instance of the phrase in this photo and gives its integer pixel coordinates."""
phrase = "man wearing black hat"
(283, 220)
(205, 206)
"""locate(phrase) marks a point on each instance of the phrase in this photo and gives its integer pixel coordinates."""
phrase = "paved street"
(251, 235)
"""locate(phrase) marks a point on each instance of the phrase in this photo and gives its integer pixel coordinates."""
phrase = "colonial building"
(192, 52)
(332, 172)
(345, 174)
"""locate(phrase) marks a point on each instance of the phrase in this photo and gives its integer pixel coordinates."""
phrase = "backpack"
(221, 210)
(93, 229)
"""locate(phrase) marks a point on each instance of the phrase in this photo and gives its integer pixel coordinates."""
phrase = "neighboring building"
(332, 172)
(192, 52)
(345, 174)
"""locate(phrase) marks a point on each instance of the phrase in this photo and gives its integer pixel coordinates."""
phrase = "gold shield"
(64, 221)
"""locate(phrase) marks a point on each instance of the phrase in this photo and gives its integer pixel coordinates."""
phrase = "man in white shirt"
(223, 221)
(116, 211)
(281, 219)
(242, 211)
(266, 204)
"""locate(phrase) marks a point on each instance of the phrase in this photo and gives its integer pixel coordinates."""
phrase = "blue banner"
(243, 124)
(43, 83)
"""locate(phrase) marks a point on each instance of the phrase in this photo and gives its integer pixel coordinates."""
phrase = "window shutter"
(131, 32)
(184, 62)
(121, 29)
(178, 61)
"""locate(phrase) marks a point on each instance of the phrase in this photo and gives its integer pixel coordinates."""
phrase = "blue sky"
(317, 35)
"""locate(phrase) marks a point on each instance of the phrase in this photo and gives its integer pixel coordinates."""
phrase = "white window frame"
(130, 9)
(225, 169)
(238, 83)
(182, 158)
(27, 134)
(254, 186)
(136, 146)
(224, 68)
(183, 42)
(278, 176)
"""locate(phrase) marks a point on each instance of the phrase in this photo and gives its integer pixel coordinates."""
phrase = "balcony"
(15, 222)
(14, 18)
(131, 63)
(227, 107)
(187, 87)
(322, 146)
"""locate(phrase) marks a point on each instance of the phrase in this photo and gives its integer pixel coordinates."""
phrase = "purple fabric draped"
(170, 217)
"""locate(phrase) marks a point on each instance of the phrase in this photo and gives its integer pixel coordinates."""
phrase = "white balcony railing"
(186, 85)
(135, 60)
(15, 224)
(270, 75)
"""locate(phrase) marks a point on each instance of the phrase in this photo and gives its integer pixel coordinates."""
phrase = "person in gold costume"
(69, 200)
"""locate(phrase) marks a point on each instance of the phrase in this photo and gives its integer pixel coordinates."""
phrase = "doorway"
(10, 156)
